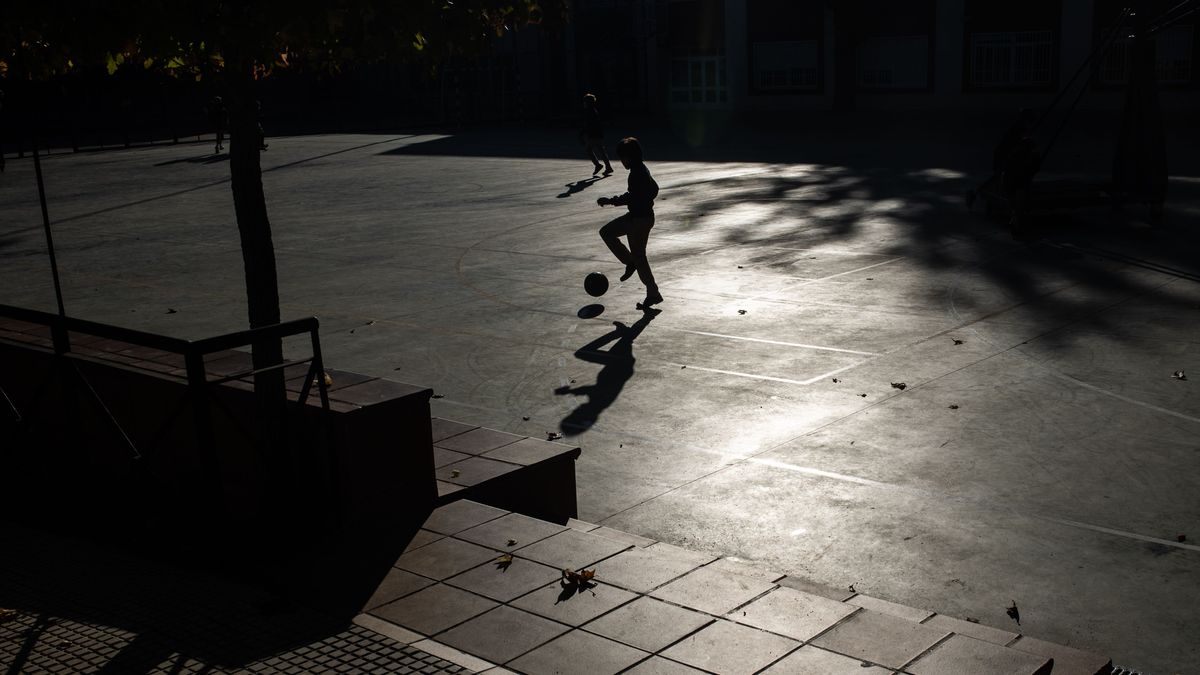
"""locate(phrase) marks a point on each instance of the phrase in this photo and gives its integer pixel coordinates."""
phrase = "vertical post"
(197, 385)
(58, 332)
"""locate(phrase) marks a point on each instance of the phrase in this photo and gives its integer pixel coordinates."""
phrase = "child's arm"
(617, 200)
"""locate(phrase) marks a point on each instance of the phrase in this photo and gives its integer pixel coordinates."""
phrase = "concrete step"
(483, 587)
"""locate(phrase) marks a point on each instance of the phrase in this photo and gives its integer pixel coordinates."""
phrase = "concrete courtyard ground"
(1040, 451)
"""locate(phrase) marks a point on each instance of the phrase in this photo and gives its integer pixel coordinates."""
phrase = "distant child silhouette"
(637, 223)
(217, 118)
(592, 135)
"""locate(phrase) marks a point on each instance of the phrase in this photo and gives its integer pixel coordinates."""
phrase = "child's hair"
(629, 148)
(589, 98)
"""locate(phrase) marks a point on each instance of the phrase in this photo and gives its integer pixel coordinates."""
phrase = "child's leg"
(639, 236)
(591, 150)
(616, 228)
(604, 155)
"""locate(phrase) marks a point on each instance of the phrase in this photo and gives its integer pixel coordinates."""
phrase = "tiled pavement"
(453, 603)
(481, 587)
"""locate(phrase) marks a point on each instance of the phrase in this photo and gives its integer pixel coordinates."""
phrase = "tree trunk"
(258, 259)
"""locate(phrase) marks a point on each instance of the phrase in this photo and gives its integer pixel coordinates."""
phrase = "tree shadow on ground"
(1068, 268)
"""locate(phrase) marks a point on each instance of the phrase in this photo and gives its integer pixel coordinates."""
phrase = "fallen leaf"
(553, 435)
(1179, 375)
(455, 473)
(739, 267)
(581, 578)
(572, 381)
(852, 588)
(836, 380)
(957, 341)
(328, 380)
(863, 395)
(899, 385)
(525, 417)
(682, 367)
(952, 406)
(972, 619)
(503, 562)
(1014, 613)
(512, 542)
(741, 311)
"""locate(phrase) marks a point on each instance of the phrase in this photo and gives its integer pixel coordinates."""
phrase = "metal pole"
(58, 332)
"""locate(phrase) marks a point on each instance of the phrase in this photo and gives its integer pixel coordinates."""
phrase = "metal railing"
(199, 385)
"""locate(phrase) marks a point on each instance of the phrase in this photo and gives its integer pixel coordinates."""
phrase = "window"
(784, 66)
(894, 62)
(698, 79)
(1173, 51)
(1012, 58)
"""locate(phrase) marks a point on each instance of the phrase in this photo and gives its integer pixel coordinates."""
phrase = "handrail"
(164, 342)
(193, 351)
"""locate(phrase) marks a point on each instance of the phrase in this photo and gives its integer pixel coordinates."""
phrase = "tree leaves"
(48, 38)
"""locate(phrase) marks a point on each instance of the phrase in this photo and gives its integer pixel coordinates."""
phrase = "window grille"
(782, 66)
(1173, 53)
(1012, 58)
(699, 80)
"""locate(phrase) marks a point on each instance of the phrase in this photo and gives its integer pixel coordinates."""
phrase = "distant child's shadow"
(579, 186)
(203, 159)
(618, 368)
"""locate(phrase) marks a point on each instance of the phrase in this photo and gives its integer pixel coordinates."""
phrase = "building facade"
(660, 55)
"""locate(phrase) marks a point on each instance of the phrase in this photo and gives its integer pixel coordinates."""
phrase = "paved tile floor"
(1040, 451)
(493, 614)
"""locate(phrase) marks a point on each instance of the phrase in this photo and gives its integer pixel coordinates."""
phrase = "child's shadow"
(618, 368)
(579, 186)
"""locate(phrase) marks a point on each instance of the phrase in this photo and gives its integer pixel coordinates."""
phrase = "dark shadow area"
(208, 158)
(168, 610)
(579, 186)
(590, 311)
(120, 530)
(957, 139)
(617, 368)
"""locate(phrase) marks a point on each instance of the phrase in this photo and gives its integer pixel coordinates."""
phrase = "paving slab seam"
(927, 651)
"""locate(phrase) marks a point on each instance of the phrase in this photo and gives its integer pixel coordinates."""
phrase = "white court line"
(768, 378)
(924, 493)
(735, 373)
(831, 276)
(1126, 399)
(773, 342)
